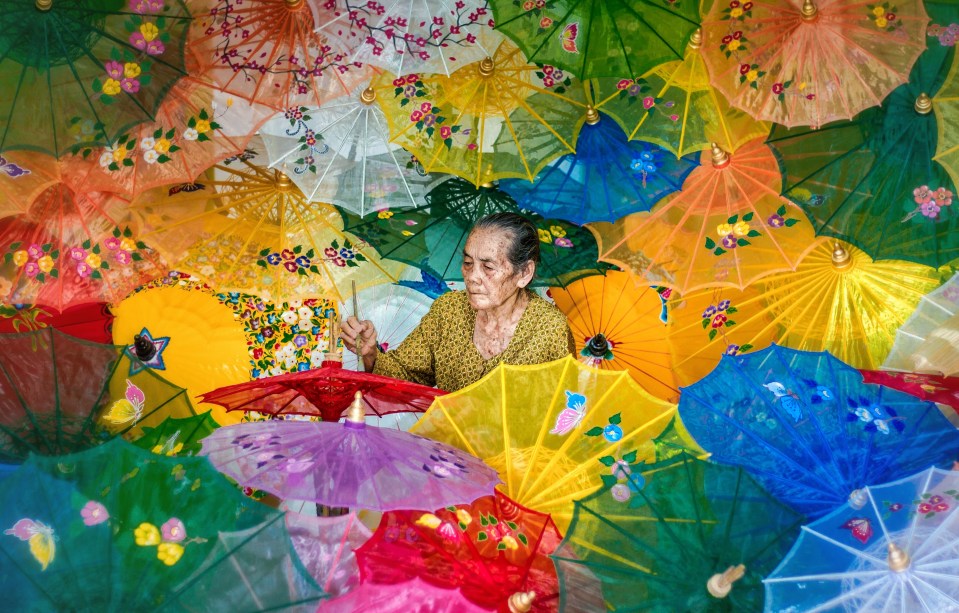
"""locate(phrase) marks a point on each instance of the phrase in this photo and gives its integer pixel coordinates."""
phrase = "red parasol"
(91, 321)
(937, 388)
(325, 392)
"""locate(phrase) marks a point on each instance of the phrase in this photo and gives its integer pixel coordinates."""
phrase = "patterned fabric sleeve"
(413, 360)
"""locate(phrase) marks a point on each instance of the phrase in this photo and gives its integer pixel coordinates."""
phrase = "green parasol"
(680, 535)
(598, 38)
(177, 436)
(432, 237)
(77, 73)
(872, 181)
(117, 528)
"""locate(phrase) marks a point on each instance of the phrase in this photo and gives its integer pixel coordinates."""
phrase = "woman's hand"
(353, 331)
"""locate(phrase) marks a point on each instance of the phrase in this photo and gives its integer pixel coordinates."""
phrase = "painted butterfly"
(43, 544)
(572, 415)
(186, 187)
(568, 38)
(13, 171)
(127, 409)
(860, 528)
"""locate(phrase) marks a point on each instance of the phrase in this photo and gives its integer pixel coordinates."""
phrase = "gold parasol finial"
(521, 602)
(356, 413)
(898, 559)
(923, 104)
(293, 4)
(840, 257)
(809, 11)
(720, 157)
(368, 96)
(44, 5)
(282, 182)
(696, 40)
(592, 115)
(720, 584)
(486, 67)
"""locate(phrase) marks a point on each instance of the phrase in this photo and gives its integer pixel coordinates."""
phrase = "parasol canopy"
(935, 310)
(325, 545)
(809, 430)
(177, 435)
(90, 321)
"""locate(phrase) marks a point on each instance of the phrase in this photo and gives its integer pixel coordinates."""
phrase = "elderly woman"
(495, 319)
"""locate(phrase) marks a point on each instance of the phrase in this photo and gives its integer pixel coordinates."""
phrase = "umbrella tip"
(840, 257)
(281, 181)
(292, 4)
(356, 413)
(44, 5)
(486, 67)
(809, 10)
(923, 104)
(858, 499)
(720, 584)
(696, 39)
(898, 559)
(521, 602)
(368, 95)
(592, 115)
(598, 346)
(720, 157)
(144, 349)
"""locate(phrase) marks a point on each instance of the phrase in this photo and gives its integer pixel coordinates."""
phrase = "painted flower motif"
(621, 492)
(463, 517)
(775, 221)
(94, 513)
(719, 320)
(173, 530)
(544, 236)
(84, 270)
(740, 228)
(557, 231)
(724, 229)
(191, 134)
(169, 553)
(114, 70)
(563, 242)
(93, 260)
(131, 70)
(146, 534)
(385, 214)
(111, 87)
(45, 264)
(20, 257)
(31, 269)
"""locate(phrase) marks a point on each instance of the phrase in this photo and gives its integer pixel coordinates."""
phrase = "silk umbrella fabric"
(933, 315)
(90, 321)
(395, 312)
(809, 430)
(398, 597)
(325, 545)
(810, 62)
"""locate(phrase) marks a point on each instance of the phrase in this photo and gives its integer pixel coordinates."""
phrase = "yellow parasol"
(676, 107)
(945, 104)
(727, 228)
(838, 300)
(246, 228)
(501, 117)
(555, 432)
(203, 346)
(619, 325)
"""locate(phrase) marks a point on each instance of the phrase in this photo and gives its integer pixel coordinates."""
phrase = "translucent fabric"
(872, 181)
(325, 547)
(607, 178)
(851, 310)
(118, 528)
(269, 51)
(939, 389)
(934, 310)
(432, 237)
(551, 430)
(348, 465)
(196, 126)
(67, 248)
(414, 595)
(661, 534)
(842, 562)
(394, 310)
(80, 73)
(205, 344)
(946, 107)
(483, 122)
(727, 228)
(90, 321)
(809, 430)
(176, 436)
(490, 550)
(675, 106)
(770, 59)
(619, 325)
(60, 394)
(340, 154)
(411, 36)
(246, 228)
(939, 352)
(598, 38)
(326, 392)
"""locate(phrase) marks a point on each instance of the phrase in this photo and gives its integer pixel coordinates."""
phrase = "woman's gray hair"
(524, 239)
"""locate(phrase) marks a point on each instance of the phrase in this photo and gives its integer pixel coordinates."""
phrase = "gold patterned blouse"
(440, 351)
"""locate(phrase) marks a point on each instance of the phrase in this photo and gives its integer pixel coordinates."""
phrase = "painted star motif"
(156, 362)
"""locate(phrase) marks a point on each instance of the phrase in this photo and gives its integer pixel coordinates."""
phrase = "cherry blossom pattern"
(624, 478)
(245, 58)
(929, 505)
(310, 142)
(421, 39)
(946, 35)
(554, 235)
(127, 71)
(874, 417)
(734, 233)
(929, 203)
(157, 147)
(883, 16)
(612, 432)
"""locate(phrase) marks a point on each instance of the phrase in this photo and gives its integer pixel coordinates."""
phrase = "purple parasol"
(348, 464)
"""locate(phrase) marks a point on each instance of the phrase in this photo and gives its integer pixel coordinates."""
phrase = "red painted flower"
(925, 507)
(744, 68)
(737, 34)
(778, 88)
(719, 320)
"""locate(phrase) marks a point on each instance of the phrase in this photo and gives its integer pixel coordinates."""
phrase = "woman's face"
(487, 272)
